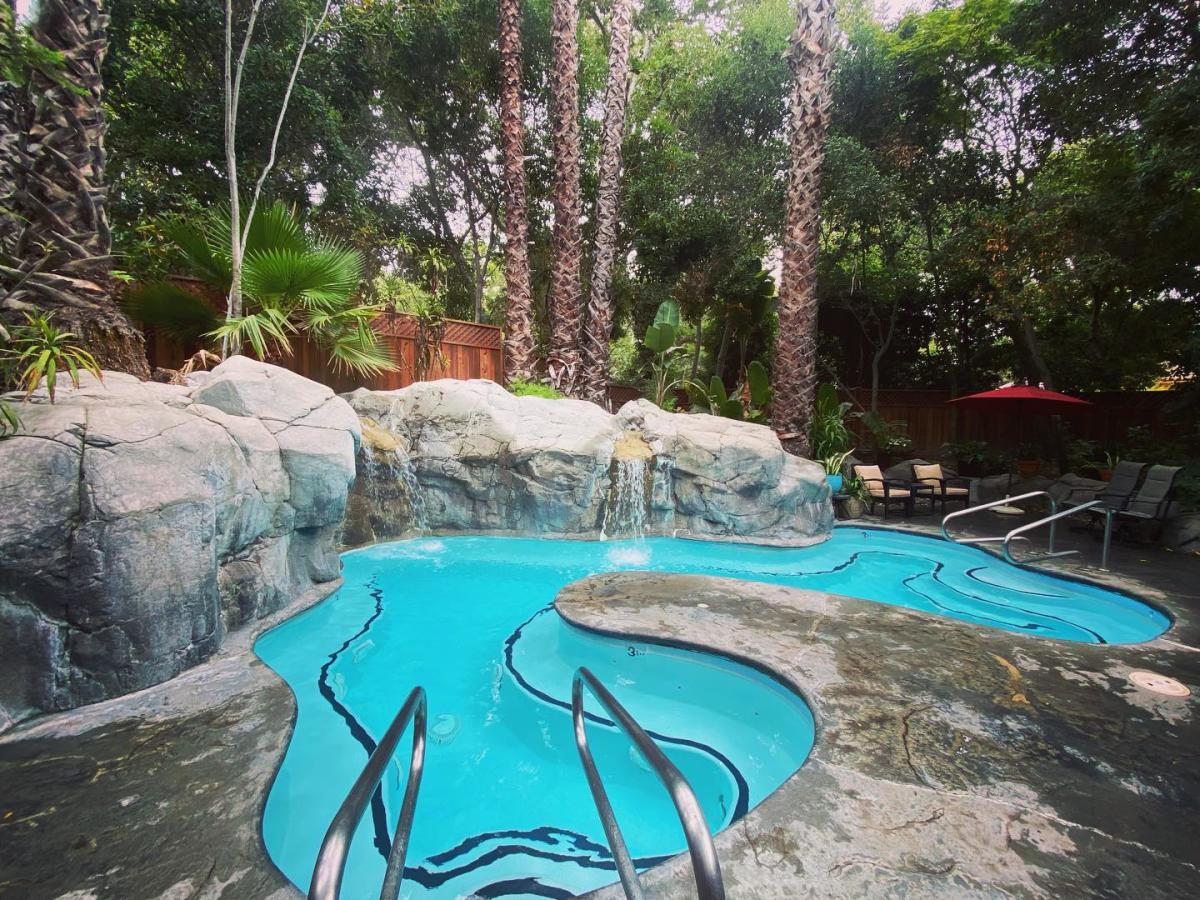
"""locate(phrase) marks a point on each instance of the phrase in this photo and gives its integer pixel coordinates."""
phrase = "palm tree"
(291, 282)
(566, 245)
(594, 377)
(56, 251)
(794, 373)
(518, 325)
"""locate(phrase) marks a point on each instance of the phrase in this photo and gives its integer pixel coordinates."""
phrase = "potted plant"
(971, 458)
(1110, 462)
(887, 438)
(833, 469)
(854, 504)
(1028, 463)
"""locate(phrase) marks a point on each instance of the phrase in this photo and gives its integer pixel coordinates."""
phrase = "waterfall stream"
(384, 470)
(625, 513)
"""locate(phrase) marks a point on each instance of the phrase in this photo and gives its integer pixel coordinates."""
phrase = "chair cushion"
(930, 475)
(957, 491)
(872, 477)
(894, 493)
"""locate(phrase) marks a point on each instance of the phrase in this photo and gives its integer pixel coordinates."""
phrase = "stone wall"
(469, 456)
(143, 521)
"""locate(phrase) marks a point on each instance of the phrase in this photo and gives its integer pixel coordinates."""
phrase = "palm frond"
(179, 314)
(206, 256)
(359, 350)
(322, 278)
(265, 331)
(275, 227)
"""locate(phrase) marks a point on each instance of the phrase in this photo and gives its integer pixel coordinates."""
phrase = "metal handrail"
(705, 865)
(331, 861)
(1005, 502)
(1051, 519)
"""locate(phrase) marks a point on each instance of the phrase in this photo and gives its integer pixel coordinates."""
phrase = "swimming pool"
(504, 808)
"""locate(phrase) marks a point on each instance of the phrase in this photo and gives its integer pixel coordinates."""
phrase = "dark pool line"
(545, 835)
(1029, 612)
(523, 886)
(936, 567)
(740, 808)
(974, 576)
(357, 731)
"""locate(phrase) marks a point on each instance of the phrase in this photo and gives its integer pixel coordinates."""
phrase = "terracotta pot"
(1028, 468)
(1106, 474)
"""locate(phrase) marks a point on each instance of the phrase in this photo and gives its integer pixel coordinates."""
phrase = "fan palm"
(291, 283)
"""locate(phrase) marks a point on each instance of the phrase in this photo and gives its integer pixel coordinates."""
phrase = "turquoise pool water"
(504, 808)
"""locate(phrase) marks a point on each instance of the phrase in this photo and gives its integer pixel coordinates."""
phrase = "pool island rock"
(144, 521)
(470, 456)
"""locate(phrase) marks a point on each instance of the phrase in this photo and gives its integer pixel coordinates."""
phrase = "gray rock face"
(143, 521)
(454, 455)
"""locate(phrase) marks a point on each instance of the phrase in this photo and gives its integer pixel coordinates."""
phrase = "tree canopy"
(1011, 187)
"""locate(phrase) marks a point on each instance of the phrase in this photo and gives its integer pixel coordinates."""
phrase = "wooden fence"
(468, 350)
(931, 423)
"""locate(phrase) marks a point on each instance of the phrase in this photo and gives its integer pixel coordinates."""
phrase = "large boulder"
(144, 521)
(469, 456)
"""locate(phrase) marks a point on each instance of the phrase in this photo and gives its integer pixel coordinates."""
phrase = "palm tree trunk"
(60, 259)
(566, 245)
(810, 58)
(518, 317)
(598, 331)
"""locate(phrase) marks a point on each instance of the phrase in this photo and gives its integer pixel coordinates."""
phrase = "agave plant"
(41, 352)
(291, 283)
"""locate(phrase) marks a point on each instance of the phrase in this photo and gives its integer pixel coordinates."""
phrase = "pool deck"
(949, 760)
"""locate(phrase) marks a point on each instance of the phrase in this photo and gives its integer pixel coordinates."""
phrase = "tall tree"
(518, 325)
(598, 330)
(810, 57)
(59, 258)
(239, 225)
(566, 244)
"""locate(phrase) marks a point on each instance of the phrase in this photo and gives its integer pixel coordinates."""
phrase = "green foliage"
(21, 55)
(291, 283)
(828, 433)
(38, 351)
(748, 402)
(885, 435)
(521, 388)
(834, 463)
(661, 340)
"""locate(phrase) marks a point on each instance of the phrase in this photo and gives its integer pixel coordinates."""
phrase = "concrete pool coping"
(161, 793)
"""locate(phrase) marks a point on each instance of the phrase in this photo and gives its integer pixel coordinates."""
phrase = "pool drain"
(1159, 684)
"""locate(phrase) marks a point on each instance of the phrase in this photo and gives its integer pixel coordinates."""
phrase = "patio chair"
(884, 490)
(946, 486)
(1120, 488)
(1153, 499)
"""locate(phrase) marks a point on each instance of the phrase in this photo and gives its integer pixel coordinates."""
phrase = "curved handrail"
(1047, 520)
(331, 861)
(957, 514)
(705, 865)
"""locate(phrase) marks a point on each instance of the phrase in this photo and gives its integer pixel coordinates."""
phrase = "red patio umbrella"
(1018, 400)
(1023, 397)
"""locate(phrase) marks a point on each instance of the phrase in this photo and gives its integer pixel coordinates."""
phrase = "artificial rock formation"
(469, 456)
(143, 521)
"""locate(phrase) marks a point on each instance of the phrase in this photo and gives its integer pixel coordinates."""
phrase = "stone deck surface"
(950, 760)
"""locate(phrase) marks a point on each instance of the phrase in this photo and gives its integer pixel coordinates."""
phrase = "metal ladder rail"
(705, 865)
(1016, 533)
(331, 860)
(957, 514)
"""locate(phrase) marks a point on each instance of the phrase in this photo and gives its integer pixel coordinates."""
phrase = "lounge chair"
(1117, 494)
(884, 490)
(1153, 500)
(946, 487)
